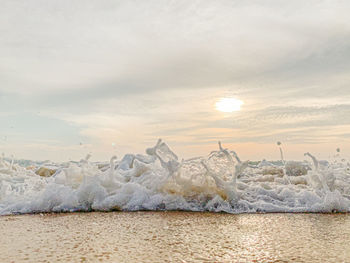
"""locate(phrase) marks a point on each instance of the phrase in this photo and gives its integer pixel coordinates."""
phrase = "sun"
(228, 105)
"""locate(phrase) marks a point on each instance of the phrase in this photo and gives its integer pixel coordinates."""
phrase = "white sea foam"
(159, 181)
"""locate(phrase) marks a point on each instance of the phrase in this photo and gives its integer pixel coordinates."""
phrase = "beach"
(174, 131)
(174, 237)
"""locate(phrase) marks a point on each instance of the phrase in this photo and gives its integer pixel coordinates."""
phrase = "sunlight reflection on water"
(175, 237)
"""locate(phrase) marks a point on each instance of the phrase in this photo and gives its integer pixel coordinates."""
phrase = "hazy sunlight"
(228, 105)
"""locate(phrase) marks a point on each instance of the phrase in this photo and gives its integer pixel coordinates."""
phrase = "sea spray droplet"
(281, 152)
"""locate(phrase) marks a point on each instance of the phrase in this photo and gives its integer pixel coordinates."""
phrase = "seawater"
(159, 180)
(175, 237)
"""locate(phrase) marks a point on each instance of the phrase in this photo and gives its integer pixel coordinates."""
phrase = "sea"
(154, 207)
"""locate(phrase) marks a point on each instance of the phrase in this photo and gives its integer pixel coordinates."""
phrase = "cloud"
(69, 45)
(114, 68)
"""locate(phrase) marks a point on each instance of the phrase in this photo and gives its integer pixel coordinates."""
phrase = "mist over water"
(159, 180)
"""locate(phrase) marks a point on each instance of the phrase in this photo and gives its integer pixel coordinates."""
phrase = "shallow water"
(175, 237)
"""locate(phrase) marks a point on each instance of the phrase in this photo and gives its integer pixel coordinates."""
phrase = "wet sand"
(175, 237)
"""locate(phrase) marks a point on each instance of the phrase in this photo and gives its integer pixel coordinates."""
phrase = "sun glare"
(228, 105)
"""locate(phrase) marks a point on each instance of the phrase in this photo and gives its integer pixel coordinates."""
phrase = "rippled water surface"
(175, 237)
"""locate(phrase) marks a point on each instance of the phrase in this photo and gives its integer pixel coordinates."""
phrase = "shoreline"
(173, 236)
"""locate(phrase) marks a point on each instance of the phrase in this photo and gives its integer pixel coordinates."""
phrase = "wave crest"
(159, 181)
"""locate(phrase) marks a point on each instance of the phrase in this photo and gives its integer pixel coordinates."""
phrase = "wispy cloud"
(132, 71)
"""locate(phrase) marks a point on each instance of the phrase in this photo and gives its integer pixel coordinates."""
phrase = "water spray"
(279, 144)
(112, 164)
(314, 160)
(281, 151)
(319, 175)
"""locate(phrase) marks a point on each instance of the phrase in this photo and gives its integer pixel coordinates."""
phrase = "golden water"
(175, 237)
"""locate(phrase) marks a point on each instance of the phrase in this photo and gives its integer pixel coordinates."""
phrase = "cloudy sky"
(111, 77)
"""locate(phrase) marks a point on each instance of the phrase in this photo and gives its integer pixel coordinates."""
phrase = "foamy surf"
(158, 180)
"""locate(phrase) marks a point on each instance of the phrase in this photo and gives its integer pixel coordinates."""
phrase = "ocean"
(159, 181)
(175, 237)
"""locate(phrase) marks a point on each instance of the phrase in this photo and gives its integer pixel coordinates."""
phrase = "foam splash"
(219, 182)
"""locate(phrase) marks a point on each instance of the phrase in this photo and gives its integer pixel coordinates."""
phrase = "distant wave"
(158, 180)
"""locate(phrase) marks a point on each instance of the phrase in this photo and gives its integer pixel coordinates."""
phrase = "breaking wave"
(219, 182)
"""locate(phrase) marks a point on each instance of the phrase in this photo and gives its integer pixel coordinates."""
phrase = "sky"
(111, 77)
